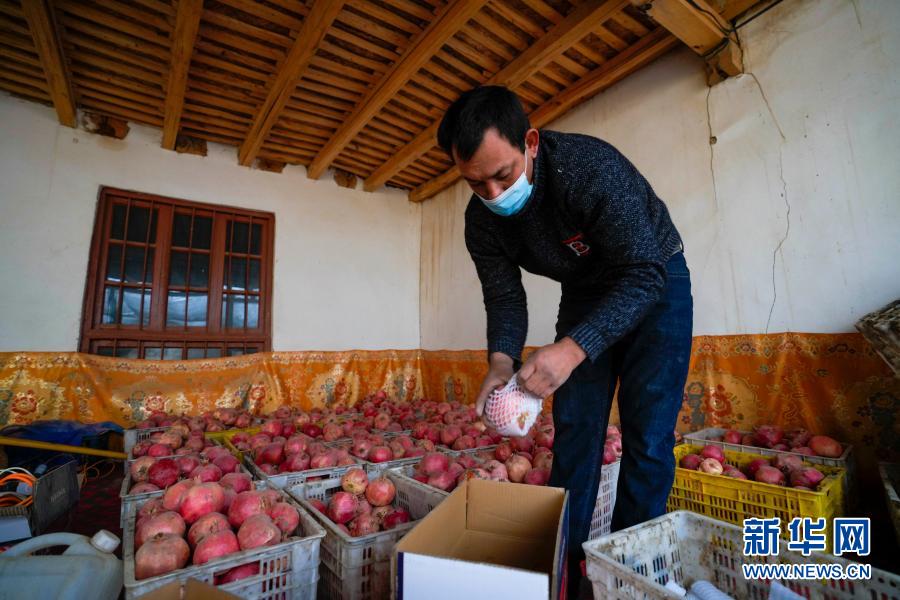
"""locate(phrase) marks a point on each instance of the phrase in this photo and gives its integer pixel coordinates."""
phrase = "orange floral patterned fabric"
(833, 384)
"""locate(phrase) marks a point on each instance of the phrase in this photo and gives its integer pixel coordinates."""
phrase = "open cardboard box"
(487, 540)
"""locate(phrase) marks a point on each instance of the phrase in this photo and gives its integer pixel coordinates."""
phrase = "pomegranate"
(787, 463)
(537, 477)
(257, 531)
(227, 464)
(544, 460)
(140, 467)
(202, 499)
(711, 466)
(285, 517)
(769, 474)
(205, 525)
(690, 461)
(187, 463)
(754, 466)
(806, 477)
(355, 481)
(238, 573)
(207, 473)
(322, 461)
(381, 512)
(733, 473)
(143, 488)
(272, 427)
(318, 505)
(140, 449)
(161, 554)
(296, 462)
(804, 450)
(151, 507)
(503, 451)
(363, 525)
(823, 445)
(164, 522)
(171, 438)
(175, 494)
(434, 463)
(271, 453)
(731, 437)
(713, 452)
(163, 473)
(379, 454)
(768, 435)
(239, 482)
(380, 491)
(517, 466)
(450, 434)
(159, 450)
(342, 507)
(211, 453)
(247, 504)
(522, 444)
(214, 545)
(398, 517)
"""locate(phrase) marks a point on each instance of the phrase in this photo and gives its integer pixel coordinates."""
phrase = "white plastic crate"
(133, 436)
(359, 568)
(686, 547)
(705, 437)
(601, 520)
(286, 570)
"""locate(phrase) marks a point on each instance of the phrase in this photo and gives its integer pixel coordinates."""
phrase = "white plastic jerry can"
(87, 569)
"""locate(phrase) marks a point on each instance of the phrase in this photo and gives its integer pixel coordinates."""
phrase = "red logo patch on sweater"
(577, 246)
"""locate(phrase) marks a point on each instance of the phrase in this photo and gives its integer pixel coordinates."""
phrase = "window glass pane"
(252, 312)
(105, 350)
(197, 309)
(126, 352)
(254, 274)
(240, 237)
(131, 306)
(178, 269)
(152, 353)
(148, 276)
(181, 230)
(117, 230)
(256, 239)
(153, 219)
(213, 352)
(114, 263)
(202, 232)
(175, 309)
(146, 316)
(134, 264)
(172, 354)
(237, 273)
(138, 221)
(110, 304)
(233, 311)
(196, 353)
(199, 270)
(235, 351)
(251, 350)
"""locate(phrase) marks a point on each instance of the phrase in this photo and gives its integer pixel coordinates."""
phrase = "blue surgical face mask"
(513, 198)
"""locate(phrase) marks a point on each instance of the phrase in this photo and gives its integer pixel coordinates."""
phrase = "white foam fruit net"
(511, 410)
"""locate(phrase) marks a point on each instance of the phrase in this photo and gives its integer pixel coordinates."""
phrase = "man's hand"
(550, 366)
(499, 374)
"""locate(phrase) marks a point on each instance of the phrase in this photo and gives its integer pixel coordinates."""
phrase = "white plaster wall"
(346, 261)
(829, 69)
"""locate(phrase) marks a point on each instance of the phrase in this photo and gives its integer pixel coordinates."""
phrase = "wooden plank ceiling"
(356, 85)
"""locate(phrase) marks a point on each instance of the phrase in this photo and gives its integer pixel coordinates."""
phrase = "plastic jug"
(87, 569)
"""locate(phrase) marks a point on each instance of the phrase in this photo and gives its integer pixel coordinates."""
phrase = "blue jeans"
(650, 365)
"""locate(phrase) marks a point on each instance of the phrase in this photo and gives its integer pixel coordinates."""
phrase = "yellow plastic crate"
(733, 500)
(224, 438)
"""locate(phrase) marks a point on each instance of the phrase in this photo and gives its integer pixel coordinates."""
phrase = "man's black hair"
(465, 122)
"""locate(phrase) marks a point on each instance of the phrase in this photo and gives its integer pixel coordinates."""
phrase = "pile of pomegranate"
(783, 469)
(220, 419)
(363, 506)
(212, 464)
(178, 439)
(800, 441)
(200, 522)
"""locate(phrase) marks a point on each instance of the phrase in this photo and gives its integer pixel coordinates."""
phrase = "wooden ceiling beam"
(187, 23)
(47, 43)
(315, 25)
(702, 29)
(446, 24)
(646, 50)
(580, 22)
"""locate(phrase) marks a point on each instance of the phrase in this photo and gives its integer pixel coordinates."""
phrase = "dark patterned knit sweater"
(594, 224)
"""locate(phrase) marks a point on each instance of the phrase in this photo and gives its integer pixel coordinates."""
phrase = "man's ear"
(532, 139)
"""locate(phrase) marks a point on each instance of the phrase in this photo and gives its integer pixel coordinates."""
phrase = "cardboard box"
(192, 589)
(487, 540)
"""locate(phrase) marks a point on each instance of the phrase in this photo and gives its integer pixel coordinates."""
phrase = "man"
(572, 208)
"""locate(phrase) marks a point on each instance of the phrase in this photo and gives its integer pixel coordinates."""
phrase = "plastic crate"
(286, 480)
(685, 547)
(133, 436)
(845, 461)
(601, 520)
(130, 499)
(286, 570)
(220, 436)
(372, 467)
(890, 477)
(54, 493)
(734, 500)
(359, 568)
